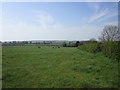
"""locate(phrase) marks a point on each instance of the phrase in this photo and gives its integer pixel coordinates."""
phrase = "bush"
(112, 49)
(109, 49)
(90, 48)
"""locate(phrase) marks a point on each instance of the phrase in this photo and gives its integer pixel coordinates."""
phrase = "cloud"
(94, 6)
(108, 16)
(99, 15)
(44, 27)
(111, 23)
(44, 18)
(49, 29)
(25, 31)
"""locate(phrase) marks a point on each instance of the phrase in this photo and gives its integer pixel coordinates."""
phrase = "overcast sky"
(56, 20)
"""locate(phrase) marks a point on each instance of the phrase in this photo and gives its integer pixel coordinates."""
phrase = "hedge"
(112, 49)
(91, 47)
(109, 49)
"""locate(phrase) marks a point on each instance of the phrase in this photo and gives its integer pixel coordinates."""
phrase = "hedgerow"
(91, 47)
(109, 49)
(112, 49)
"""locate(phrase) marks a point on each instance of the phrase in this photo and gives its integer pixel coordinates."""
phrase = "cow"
(39, 47)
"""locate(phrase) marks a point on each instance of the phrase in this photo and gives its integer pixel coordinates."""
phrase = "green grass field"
(65, 67)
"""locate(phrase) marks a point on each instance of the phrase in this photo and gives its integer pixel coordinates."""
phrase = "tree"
(110, 33)
(77, 43)
(64, 44)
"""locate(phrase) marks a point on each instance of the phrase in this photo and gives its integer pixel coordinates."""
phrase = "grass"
(65, 67)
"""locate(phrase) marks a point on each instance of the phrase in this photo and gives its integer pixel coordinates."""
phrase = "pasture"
(63, 67)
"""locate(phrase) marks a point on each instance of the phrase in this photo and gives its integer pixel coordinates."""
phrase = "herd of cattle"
(52, 47)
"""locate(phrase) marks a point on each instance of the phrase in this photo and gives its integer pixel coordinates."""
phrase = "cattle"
(39, 47)
(55, 47)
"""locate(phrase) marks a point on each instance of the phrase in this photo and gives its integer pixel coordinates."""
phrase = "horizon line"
(44, 40)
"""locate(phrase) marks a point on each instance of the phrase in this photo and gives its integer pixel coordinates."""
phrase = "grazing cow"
(39, 47)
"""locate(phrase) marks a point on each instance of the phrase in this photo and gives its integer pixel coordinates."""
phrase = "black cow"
(39, 47)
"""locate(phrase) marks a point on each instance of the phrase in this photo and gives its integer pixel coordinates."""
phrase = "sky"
(56, 20)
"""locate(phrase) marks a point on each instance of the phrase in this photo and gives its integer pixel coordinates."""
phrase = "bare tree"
(110, 33)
